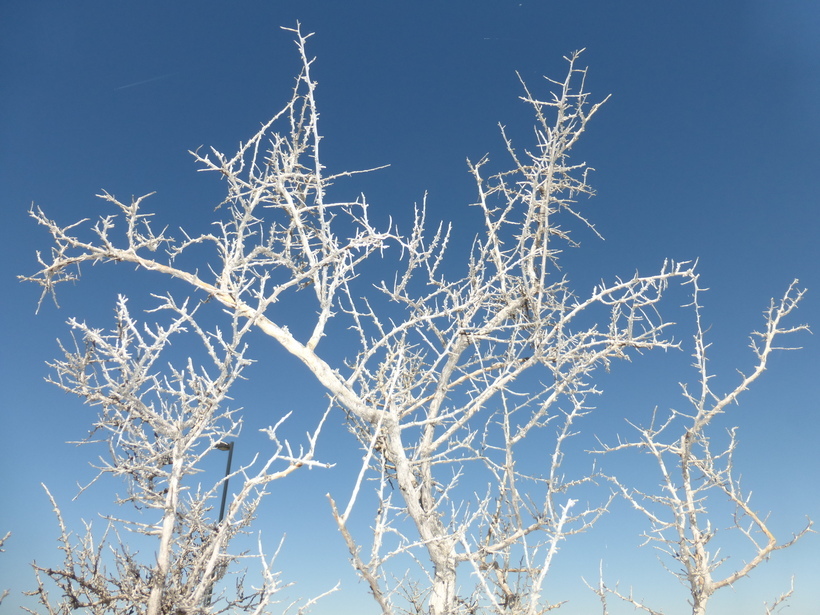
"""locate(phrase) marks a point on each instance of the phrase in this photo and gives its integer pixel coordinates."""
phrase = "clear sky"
(708, 149)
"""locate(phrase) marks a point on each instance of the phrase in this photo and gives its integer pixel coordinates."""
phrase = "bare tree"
(157, 430)
(696, 475)
(472, 367)
(453, 375)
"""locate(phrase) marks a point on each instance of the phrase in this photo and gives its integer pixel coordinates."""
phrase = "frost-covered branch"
(157, 429)
(446, 375)
(694, 476)
(443, 363)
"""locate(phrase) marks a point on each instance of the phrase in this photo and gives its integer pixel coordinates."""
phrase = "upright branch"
(157, 430)
(695, 477)
(441, 367)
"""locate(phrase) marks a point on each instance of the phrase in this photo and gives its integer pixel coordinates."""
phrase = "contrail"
(143, 82)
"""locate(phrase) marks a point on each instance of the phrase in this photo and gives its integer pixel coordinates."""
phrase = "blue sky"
(708, 149)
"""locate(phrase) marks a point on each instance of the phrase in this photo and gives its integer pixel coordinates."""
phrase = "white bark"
(157, 431)
(450, 375)
(693, 474)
